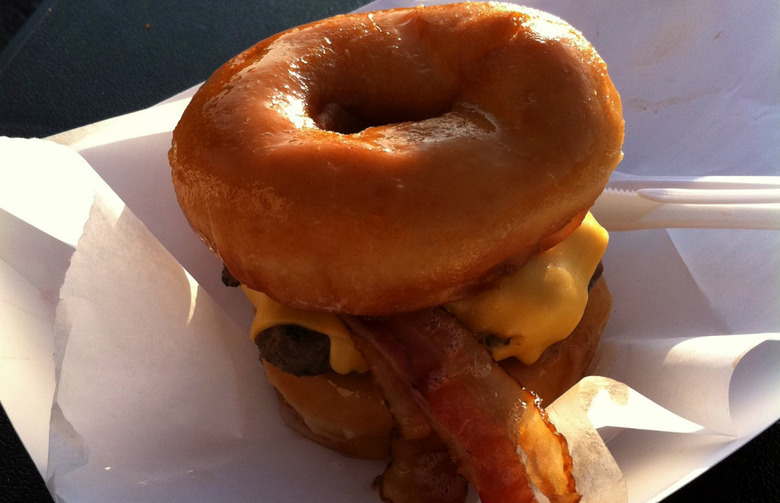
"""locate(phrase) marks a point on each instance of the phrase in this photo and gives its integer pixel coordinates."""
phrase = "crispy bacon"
(480, 412)
(411, 421)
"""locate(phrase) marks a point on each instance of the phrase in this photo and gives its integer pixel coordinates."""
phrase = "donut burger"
(403, 196)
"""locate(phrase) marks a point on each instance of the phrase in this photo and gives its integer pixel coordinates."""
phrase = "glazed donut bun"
(347, 413)
(381, 163)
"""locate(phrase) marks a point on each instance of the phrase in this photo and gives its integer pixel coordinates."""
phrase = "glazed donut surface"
(346, 413)
(386, 162)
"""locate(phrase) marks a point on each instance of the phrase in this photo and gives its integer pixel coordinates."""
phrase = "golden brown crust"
(356, 422)
(475, 153)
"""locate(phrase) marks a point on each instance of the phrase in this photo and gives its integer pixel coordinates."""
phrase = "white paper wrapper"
(164, 400)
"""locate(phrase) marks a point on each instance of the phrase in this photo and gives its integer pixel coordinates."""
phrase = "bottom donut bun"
(347, 413)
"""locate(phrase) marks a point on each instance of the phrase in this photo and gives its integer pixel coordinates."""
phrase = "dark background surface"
(65, 64)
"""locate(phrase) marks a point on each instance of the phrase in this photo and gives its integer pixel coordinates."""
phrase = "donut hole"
(343, 118)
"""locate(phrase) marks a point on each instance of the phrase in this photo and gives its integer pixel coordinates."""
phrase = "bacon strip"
(411, 421)
(479, 411)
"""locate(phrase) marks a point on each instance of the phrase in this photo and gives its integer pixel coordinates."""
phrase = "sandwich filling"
(527, 312)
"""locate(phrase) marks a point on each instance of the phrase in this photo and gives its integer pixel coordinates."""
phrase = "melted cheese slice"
(543, 302)
(344, 358)
(529, 311)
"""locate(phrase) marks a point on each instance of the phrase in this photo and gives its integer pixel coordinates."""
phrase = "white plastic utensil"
(728, 202)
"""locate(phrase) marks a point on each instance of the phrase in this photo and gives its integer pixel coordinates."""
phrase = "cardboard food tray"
(684, 332)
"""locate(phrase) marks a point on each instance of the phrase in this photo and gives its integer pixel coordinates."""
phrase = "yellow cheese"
(543, 302)
(344, 358)
(529, 311)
